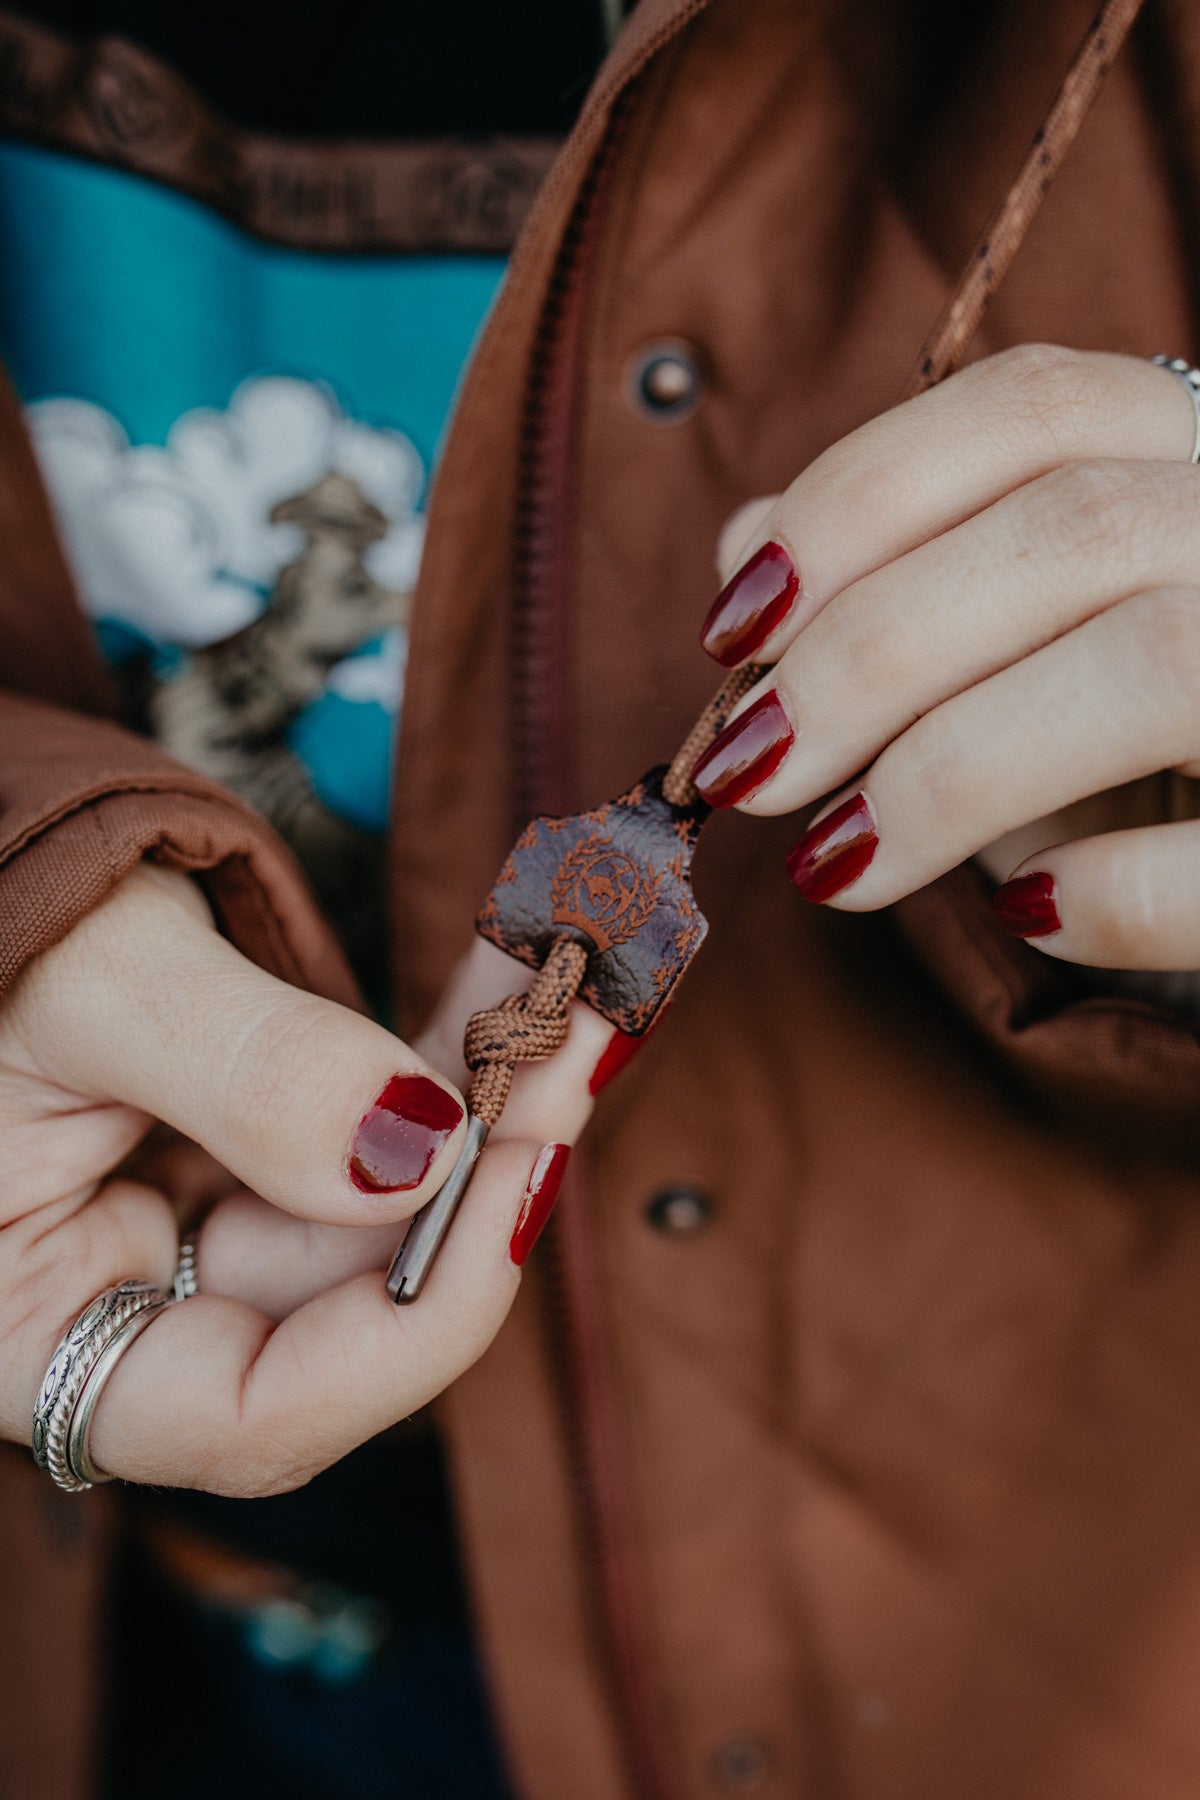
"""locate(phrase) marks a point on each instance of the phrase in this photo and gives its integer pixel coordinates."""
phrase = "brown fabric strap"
(107, 98)
(529, 1027)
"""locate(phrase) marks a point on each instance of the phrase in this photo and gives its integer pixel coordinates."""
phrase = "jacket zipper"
(543, 783)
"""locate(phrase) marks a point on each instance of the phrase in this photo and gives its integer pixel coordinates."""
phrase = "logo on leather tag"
(618, 880)
(602, 893)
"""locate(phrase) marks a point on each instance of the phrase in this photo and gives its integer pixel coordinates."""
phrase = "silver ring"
(1191, 380)
(78, 1459)
(186, 1286)
(83, 1348)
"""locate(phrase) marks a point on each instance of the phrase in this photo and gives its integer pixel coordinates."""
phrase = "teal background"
(143, 301)
(146, 303)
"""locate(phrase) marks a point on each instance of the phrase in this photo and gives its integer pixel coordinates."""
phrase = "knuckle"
(942, 780)
(943, 787)
(873, 645)
(847, 472)
(34, 1309)
(1031, 368)
(1165, 628)
(105, 968)
(922, 770)
(1049, 389)
(276, 1052)
(1088, 503)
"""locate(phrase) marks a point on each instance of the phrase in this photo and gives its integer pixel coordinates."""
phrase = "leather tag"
(618, 881)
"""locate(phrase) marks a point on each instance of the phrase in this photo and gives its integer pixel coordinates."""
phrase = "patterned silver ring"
(1191, 380)
(82, 1348)
(78, 1460)
(186, 1284)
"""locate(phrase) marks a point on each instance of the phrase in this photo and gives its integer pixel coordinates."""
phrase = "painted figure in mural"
(227, 711)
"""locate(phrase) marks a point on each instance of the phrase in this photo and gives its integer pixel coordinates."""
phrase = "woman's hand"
(984, 610)
(291, 1354)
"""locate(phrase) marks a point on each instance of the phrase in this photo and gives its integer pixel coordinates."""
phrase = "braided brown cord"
(678, 787)
(525, 1027)
(1004, 232)
(947, 343)
(530, 1027)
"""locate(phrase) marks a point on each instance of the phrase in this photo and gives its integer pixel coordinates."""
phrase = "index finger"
(914, 472)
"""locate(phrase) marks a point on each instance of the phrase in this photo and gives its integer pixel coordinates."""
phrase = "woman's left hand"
(984, 610)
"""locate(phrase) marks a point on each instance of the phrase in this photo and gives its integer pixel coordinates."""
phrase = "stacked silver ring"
(79, 1370)
(1191, 380)
(185, 1270)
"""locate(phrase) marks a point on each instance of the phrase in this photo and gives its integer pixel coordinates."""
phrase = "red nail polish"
(746, 754)
(397, 1140)
(541, 1192)
(748, 608)
(835, 852)
(620, 1049)
(1027, 906)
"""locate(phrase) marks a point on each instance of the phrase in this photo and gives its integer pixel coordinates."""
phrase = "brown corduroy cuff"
(82, 801)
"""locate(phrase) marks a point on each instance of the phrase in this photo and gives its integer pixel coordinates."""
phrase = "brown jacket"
(883, 1482)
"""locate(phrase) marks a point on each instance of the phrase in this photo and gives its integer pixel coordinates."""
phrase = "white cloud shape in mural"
(378, 678)
(176, 540)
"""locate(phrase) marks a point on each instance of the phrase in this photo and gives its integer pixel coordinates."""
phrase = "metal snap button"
(681, 1209)
(665, 381)
(742, 1764)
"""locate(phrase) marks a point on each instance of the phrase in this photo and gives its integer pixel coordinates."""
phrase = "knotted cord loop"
(526, 1027)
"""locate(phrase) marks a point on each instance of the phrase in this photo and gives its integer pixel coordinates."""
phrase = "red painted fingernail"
(620, 1049)
(746, 754)
(1027, 906)
(397, 1140)
(747, 610)
(835, 852)
(541, 1191)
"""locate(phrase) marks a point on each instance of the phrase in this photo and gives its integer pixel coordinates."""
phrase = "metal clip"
(423, 1240)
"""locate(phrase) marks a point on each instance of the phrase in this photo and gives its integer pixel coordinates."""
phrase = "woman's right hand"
(291, 1354)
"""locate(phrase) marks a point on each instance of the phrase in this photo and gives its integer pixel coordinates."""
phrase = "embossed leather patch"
(618, 881)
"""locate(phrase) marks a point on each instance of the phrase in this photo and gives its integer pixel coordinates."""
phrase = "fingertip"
(617, 1054)
(541, 1193)
(411, 1125)
(1027, 905)
(745, 756)
(835, 851)
(739, 532)
(752, 605)
(474, 1272)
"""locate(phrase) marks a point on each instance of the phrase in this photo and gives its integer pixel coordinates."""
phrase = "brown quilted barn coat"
(883, 1482)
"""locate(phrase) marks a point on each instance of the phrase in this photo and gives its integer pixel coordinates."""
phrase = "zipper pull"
(617, 881)
(428, 1228)
(601, 904)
